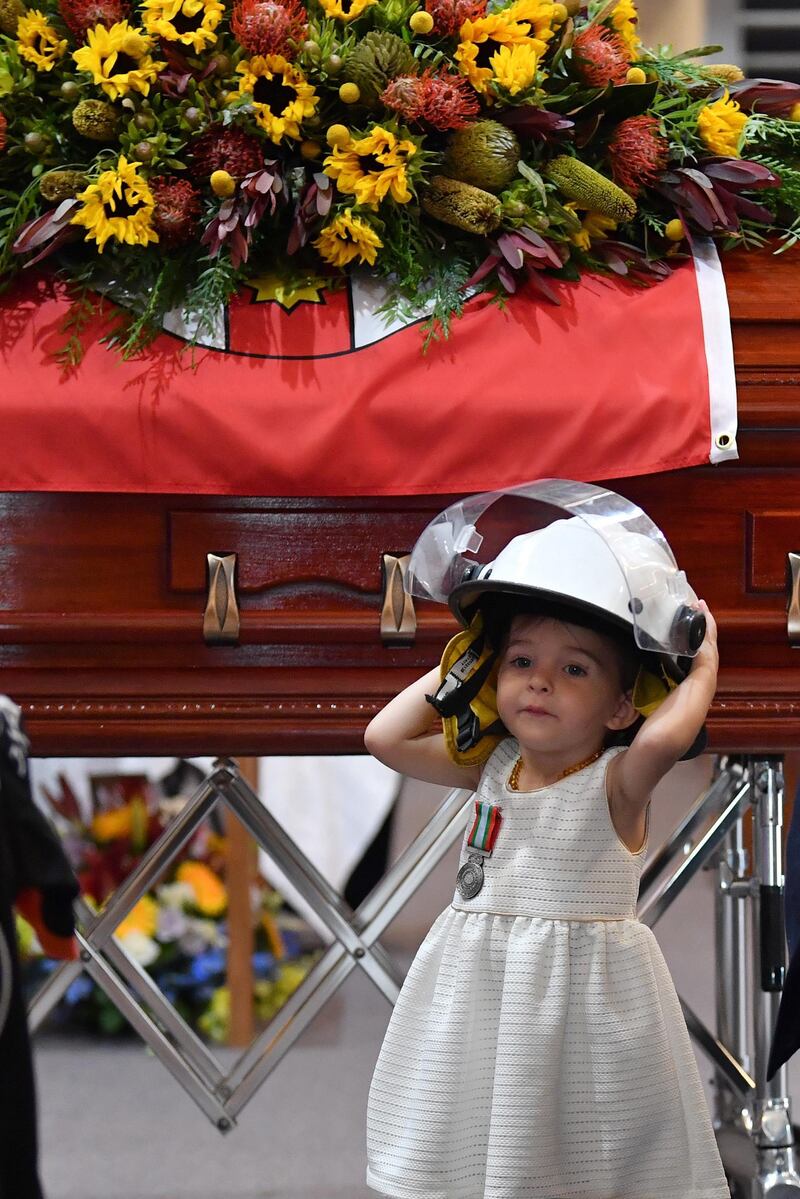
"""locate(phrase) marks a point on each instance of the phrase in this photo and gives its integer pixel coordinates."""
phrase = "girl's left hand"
(707, 657)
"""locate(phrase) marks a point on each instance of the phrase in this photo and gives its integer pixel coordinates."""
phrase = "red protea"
(80, 15)
(176, 211)
(221, 149)
(450, 15)
(269, 26)
(600, 57)
(638, 153)
(3, 127)
(436, 98)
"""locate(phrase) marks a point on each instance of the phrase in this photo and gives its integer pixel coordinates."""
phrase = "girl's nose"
(539, 681)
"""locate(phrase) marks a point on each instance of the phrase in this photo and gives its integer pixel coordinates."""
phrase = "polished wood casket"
(104, 598)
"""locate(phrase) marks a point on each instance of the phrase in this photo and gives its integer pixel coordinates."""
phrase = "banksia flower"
(221, 149)
(638, 153)
(96, 120)
(439, 99)
(10, 13)
(485, 154)
(375, 60)
(599, 57)
(269, 27)
(82, 15)
(725, 72)
(450, 15)
(459, 204)
(56, 186)
(176, 210)
(589, 188)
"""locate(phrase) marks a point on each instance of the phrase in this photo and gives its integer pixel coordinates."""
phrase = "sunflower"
(373, 167)
(210, 896)
(38, 42)
(142, 918)
(720, 126)
(118, 59)
(189, 22)
(347, 237)
(481, 38)
(282, 96)
(345, 10)
(118, 205)
(624, 19)
(515, 67)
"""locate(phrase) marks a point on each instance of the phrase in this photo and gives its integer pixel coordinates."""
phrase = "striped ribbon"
(485, 827)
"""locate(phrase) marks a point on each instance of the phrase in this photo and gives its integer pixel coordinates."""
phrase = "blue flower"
(79, 989)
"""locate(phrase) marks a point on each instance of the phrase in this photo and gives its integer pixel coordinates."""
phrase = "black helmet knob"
(689, 626)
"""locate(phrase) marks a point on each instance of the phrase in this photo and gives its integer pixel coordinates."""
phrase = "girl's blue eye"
(521, 661)
(575, 671)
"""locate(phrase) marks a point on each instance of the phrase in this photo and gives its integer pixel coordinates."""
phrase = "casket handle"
(398, 618)
(793, 598)
(221, 617)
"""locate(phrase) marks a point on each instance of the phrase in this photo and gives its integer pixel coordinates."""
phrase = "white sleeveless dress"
(538, 1049)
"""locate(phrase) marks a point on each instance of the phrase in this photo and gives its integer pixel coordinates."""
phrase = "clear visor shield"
(470, 534)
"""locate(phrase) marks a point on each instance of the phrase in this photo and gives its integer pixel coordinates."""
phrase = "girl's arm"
(667, 734)
(407, 735)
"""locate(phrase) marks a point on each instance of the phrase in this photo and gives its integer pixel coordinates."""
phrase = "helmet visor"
(460, 543)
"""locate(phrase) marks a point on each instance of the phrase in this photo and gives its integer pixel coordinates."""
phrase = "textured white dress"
(538, 1049)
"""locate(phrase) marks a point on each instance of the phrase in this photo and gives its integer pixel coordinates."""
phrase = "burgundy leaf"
(65, 234)
(748, 175)
(542, 285)
(485, 268)
(771, 96)
(510, 250)
(506, 277)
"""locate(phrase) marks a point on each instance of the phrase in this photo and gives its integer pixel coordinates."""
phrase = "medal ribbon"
(485, 827)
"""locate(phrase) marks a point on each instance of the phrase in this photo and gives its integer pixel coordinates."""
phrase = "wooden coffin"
(103, 597)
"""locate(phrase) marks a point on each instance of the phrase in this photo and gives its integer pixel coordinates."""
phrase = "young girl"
(537, 1049)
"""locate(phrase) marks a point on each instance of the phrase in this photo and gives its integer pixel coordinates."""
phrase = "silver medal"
(469, 879)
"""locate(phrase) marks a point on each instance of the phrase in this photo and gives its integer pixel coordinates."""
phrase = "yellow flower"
(38, 42)
(210, 896)
(114, 825)
(345, 10)
(118, 205)
(515, 66)
(282, 96)
(347, 237)
(720, 126)
(190, 22)
(794, 114)
(142, 918)
(118, 59)
(527, 22)
(595, 226)
(624, 19)
(372, 167)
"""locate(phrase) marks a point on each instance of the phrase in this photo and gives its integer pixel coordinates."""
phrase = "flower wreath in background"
(164, 152)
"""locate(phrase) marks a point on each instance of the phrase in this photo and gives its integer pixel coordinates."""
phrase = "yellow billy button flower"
(118, 59)
(190, 22)
(345, 10)
(674, 230)
(794, 113)
(372, 167)
(38, 42)
(421, 22)
(347, 237)
(282, 96)
(720, 126)
(636, 75)
(310, 149)
(338, 135)
(514, 67)
(119, 206)
(222, 184)
(349, 93)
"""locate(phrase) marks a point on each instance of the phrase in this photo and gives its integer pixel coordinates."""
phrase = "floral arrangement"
(177, 931)
(163, 152)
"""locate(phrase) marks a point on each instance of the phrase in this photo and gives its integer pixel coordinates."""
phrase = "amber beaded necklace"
(513, 778)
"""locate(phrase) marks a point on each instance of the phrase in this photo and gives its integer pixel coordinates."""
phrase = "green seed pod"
(10, 13)
(589, 188)
(96, 120)
(484, 154)
(375, 60)
(462, 205)
(56, 186)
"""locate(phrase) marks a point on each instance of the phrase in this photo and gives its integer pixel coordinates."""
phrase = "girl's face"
(558, 686)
